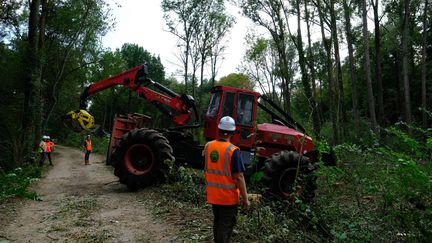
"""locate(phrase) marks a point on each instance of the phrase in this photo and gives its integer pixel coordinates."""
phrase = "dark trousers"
(42, 159)
(49, 157)
(87, 155)
(225, 218)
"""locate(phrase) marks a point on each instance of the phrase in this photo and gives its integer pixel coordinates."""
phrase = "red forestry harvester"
(281, 149)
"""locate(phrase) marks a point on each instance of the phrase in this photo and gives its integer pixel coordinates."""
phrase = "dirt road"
(82, 203)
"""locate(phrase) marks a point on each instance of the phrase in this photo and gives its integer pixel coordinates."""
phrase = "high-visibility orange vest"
(49, 145)
(88, 145)
(221, 187)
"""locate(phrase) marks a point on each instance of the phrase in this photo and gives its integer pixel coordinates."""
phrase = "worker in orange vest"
(42, 150)
(49, 144)
(87, 149)
(224, 170)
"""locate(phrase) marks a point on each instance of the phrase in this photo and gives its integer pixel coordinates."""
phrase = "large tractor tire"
(280, 172)
(140, 157)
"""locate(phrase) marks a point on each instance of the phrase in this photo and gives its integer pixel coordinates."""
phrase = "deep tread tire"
(139, 158)
(279, 176)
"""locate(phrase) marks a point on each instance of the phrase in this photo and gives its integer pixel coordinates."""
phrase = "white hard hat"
(44, 137)
(226, 123)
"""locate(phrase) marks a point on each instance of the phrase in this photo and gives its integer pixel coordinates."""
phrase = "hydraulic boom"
(176, 106)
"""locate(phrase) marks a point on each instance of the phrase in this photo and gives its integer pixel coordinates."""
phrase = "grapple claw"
(78, 120)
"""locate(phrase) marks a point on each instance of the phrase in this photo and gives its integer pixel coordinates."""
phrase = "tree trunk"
(367, 68)
(304, 72)
(424, 65)
(213, 64)
(405, 71)
(31, 121)
(186, 63)
(380, 90)
(329, 67)
(315, 111)
(340, 114)
(42, 59)
(349, 37)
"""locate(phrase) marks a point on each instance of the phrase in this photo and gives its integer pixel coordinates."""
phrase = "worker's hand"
(246, 204)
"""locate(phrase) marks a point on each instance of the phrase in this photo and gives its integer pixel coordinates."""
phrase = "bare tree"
(270, 15)
(182, 20)
(211, 31)
(260, 64)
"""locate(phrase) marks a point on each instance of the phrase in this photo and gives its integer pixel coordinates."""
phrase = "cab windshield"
(214, 105)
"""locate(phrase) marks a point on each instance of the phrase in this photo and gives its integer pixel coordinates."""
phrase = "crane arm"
(127, 78)
(169, 102)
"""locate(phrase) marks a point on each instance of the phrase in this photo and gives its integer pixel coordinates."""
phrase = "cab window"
(214, 105)
(228, 105)
(245, 109)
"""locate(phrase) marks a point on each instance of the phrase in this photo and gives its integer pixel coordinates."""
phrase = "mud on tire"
(139, 158)
(280, 176)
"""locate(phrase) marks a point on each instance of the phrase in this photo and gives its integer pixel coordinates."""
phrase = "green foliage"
(135, 55)
(382, 192)
(99, 144)
(16, 182)
(377, 192)
(363, 135)
(236, 80)
(185, 185)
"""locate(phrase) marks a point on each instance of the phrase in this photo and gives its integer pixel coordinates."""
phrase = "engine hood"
(283, 137)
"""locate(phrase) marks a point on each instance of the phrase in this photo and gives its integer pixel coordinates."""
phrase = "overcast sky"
(141, 22)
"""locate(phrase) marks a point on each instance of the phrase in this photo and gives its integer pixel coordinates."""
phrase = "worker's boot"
(87, 162)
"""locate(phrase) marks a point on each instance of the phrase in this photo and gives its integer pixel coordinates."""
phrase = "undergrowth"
(380, 191)
(16, 182)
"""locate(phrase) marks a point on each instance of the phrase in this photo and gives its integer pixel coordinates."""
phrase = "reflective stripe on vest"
(221, 187)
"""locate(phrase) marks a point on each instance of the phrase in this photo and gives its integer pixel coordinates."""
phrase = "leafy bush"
(16, 182)
(186, 185)
(383, 192)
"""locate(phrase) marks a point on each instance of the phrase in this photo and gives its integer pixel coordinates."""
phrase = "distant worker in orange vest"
(87, 149)
(42, 150)
(224, 170)
(49, 145)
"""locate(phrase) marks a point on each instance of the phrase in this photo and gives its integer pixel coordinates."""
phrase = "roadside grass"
(15, 183)
(381, 192)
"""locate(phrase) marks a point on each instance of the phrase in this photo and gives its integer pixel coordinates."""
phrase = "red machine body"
(135, 79)
(266, 139)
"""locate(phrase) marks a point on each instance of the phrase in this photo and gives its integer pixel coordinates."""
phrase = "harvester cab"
(241, 105)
